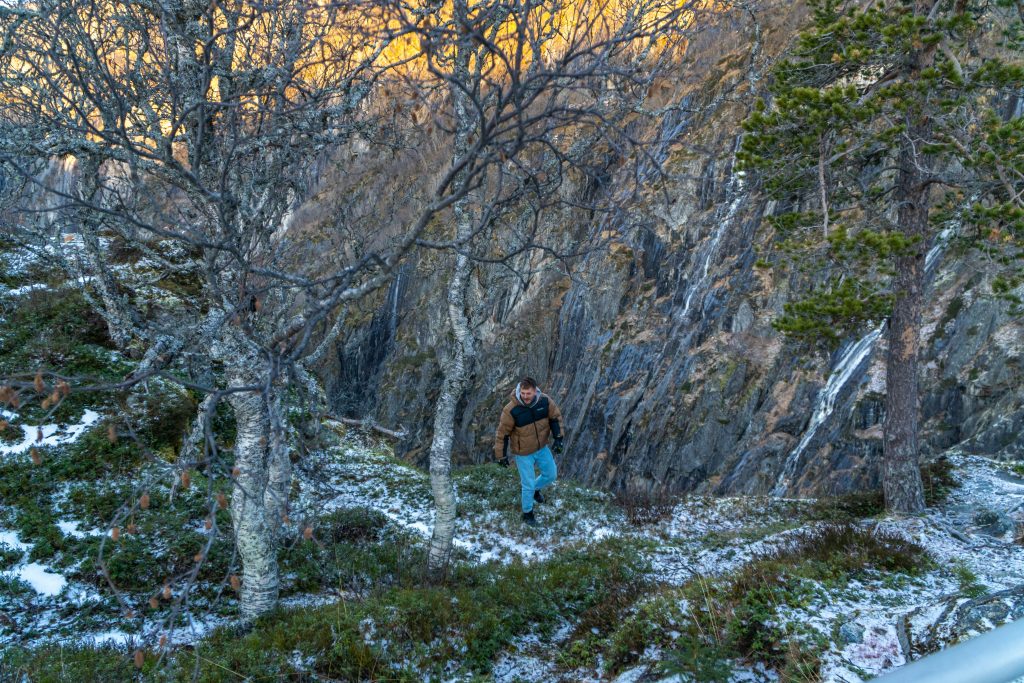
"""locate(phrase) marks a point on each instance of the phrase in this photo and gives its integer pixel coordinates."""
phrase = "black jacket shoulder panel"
(527, 415)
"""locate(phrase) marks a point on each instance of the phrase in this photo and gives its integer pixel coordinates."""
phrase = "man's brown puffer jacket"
(525, 429)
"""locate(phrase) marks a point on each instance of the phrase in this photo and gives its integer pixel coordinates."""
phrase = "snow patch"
(10, 538)
(72, 527)
(111, 637)
(51, 434)
(24, 289)
(40, 578)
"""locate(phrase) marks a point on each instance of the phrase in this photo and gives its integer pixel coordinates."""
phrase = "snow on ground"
(953, 532)
(18, 291)
(529, 659)
(50, 592)
(485, 530)
(10, 539)
(42, 580)
(51, 587)
(360, 477)
(872, 614)
(73, 528)
(48, 434)
(18, 261)
(25, 289)
(971, 534)
(688, 546)
(707, 536)
(36, 575)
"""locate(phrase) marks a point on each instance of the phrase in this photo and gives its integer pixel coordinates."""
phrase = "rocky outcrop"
(660, 348)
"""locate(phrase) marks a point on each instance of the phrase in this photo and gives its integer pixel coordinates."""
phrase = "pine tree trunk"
(901, 474)
(253, 537)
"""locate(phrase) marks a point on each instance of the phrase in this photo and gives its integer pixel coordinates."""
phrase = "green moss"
(92, 481)
(163, 413)
(421, 628)
(580, 653)
(651, 624)
(9, 557)
(355, 551)
(721, 539)
(849, 506)
(59, 664)
(55, 329)
(94, 456)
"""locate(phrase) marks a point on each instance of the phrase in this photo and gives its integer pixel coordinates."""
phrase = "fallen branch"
(369, 423)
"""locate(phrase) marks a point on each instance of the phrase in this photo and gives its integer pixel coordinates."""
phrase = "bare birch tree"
(190, 124)
(195, 130)
(194, 127)
(544, 89)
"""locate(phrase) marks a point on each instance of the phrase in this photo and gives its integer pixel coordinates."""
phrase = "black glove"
(503, 461)
(558, 447)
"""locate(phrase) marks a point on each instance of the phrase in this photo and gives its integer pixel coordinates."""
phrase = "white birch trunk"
(279, 473)
(90, 262)
(444, 418)
(253, 537)
(456, 365)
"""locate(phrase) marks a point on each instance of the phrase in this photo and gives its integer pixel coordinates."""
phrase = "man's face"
(527, 394)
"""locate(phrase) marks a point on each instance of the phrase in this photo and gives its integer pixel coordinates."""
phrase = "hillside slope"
(749, 588)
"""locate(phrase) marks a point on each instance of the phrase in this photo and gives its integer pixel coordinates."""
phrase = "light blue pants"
(525, 463)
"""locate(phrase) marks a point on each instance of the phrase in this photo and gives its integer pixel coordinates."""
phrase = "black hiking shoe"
(529, 519)
(537, 497)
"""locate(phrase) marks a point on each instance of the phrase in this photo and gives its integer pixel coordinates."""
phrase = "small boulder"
(993, 613)
(993, 523)
(851, 632)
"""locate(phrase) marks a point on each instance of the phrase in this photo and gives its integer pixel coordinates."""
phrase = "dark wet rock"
(980, 617)
(993, 523)
(851, 632)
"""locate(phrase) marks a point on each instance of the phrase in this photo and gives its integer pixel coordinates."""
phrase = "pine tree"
(886, 126)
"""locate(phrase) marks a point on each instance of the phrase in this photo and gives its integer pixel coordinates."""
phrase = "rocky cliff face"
(660, 349)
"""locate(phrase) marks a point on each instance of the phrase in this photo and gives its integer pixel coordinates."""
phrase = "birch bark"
(253, 535)
(455, 366)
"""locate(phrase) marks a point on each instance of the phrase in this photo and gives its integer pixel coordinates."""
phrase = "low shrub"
(936, 476)
(938, 479)
(741, 616)
(645, 508)
(411, 631)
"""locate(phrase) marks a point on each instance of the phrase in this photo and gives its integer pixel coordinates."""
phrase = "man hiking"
(523, 430)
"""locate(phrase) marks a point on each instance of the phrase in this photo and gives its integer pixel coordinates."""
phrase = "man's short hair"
(527, 383)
